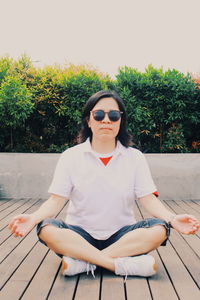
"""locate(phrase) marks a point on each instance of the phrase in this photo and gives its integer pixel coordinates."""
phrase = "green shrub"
(157, 103)
(76, 89)
(41, 107)
(5, 64)
(15, 105)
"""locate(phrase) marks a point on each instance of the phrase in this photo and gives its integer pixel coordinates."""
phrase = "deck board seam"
(54, 280)
(32, 277)
(168, 274)
(184, 263)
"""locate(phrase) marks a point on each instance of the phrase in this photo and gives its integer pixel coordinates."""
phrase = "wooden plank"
(23, 275)
(2, 202)
(48, 270)
(21, 210)
(197, 202)
(10, 264)
(161, 280)
(186, 208)
(7, 205)
(43, 279)
(189, 258)
(189, 210)
(191, 240)
(195, 207)
(18, 210)
(187, 246)
(179, 210)
(8, 241)
(112, 286)
(178, 263)
(137, 288)
(176, 269)
(13, 261)
(180, 207)
(63, 287)
(12, 208)
(182, 281)
(88, 287)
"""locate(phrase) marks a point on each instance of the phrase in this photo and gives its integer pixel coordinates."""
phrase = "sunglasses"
(113, 115)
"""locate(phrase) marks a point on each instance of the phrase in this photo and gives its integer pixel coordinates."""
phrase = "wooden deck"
(29, 271)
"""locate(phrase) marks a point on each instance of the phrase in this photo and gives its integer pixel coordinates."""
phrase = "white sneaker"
(71, 266)
(143, 265)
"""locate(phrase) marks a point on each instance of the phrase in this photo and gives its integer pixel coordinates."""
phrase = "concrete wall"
(22, 175)
(177, 176)
(25, 175)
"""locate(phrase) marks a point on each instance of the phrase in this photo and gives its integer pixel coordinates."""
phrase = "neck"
(103, 146)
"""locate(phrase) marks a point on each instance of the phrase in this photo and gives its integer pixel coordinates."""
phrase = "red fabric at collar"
(156, 194)
(105, 160)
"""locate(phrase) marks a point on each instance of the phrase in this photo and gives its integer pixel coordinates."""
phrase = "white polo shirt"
(101, 197)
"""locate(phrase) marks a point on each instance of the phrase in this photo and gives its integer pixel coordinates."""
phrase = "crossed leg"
(69, 243)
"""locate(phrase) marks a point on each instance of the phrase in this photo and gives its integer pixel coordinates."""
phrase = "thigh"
(62, 225)
(147, 223)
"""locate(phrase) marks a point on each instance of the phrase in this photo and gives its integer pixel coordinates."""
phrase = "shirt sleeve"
(61, 184)
(144, 184)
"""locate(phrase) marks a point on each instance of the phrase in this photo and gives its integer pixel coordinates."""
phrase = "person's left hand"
(186, 224)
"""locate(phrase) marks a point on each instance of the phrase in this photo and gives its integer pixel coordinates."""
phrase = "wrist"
(170, 222)
(36, 218)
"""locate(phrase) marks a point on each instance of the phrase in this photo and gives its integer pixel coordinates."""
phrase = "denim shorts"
(102, 244)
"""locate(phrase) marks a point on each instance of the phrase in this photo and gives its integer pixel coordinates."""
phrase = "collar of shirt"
(87, 148)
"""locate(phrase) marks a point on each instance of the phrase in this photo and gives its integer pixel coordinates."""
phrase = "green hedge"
(40, 108)
(163, 109)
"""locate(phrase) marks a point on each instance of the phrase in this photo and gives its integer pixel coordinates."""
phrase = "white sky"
(104, 33)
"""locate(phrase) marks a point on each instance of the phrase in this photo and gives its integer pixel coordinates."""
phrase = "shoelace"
(90, 268)
(125, 278)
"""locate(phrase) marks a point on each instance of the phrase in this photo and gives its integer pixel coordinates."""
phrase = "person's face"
(105, 129)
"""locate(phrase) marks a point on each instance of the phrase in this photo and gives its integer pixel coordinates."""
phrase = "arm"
(185, 223)
(155, 207)
(50, 208)
(24, 223)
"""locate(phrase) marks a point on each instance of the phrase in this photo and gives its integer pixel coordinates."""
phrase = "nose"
(106, 118)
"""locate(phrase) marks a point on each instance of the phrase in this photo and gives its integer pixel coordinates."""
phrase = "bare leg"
(139, 241)
(69, 243)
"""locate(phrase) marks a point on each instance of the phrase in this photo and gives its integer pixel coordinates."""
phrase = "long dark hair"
(123, 136)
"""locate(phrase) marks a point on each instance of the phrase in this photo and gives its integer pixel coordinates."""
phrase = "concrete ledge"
(177, 176)
(25, 175)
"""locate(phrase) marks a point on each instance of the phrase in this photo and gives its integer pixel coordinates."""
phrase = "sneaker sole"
(155, 267)
(64, 267)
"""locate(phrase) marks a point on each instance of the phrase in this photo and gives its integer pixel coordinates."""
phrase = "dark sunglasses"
(113, 115)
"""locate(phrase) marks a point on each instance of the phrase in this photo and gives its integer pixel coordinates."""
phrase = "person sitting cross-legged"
(102, 176)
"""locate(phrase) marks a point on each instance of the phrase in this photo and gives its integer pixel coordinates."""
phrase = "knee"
(159, 234)
(45, 233)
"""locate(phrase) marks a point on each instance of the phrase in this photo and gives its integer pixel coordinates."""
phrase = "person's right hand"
(22, 224)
